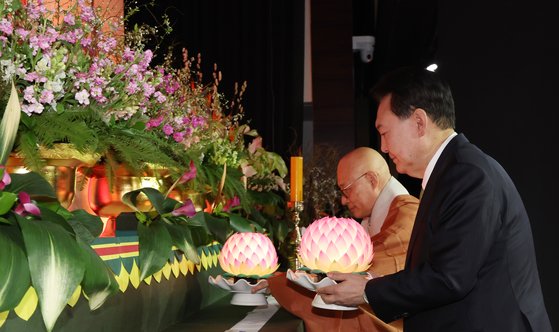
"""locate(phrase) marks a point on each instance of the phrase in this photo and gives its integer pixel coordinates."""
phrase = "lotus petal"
(336, 244)
(248, 254)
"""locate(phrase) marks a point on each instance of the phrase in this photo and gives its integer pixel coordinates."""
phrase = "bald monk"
(387, 211)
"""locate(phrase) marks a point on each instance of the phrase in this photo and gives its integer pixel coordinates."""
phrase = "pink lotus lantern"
(332, 244)
(336, 244)
(249, 256)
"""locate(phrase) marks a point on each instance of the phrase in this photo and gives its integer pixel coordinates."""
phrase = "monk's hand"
(348, 291)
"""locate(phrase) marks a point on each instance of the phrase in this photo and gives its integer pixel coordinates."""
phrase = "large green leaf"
(155, 247)
(241, 224)
(200, 235)
(258, 217)
(14, 270)
(9, 125)
(155, 197)
(7, 201)
(218, 227)
(99, 281)
(56, 265)
(32, 183)
(86, 226)
(55, 218)
(182, 238)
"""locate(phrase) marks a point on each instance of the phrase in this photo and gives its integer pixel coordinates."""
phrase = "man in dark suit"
(471, 264)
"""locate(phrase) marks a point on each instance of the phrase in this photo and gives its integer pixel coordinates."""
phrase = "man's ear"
(372, 178)
(420, 120)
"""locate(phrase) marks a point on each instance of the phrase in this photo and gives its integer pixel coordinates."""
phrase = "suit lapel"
(421, 220)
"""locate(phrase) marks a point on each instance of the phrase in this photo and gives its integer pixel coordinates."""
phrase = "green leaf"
(32, 183)
(130, 199)
(99, 281)
(241, 224)
(155, 197)
(7, 201)
(55, 218)
(218, 227)
(155, 247)
(14, 270)
(182, 238)
(56, 265)
(200, 235)
(9, 125)
(257, 216)
(277, 163)
(86, 226)
(282, 230)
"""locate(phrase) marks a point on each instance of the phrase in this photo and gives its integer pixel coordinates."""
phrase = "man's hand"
(349, 290)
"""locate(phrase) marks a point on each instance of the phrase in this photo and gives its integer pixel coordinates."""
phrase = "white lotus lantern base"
(242, 291)
(304, 279)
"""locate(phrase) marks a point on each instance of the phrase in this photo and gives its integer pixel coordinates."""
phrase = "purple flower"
(22, 33)
(69, 19)
(156, 122)
(128, 55)
(191, 174)
(178, 136)
(32, 76)
(6, 27)
(6, 179)
(46, 97)
(187, 209)
(168, 129)
(25, 206)
(85, 41)
(231, 203)
(160, 97)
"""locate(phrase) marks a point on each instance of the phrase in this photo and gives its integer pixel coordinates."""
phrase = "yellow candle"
(296, 179)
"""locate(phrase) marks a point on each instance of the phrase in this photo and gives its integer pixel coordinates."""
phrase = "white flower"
(43, 65)
(54, 85)
(9, 69)
(83, 97)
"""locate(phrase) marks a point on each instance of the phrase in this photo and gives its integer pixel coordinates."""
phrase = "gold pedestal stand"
(295, 208)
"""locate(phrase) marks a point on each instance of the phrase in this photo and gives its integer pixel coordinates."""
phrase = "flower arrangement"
(82, 85)
(79, 84)
(45, 246)
(53, 242)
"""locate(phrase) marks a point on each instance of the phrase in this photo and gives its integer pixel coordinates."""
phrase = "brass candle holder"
(296, 208)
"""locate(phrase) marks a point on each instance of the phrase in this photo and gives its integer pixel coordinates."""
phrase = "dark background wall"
(257, 41)
(501, 58)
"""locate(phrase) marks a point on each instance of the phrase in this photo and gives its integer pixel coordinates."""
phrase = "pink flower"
(168, 129)
(178, 136)
(25, 206)
(187, 209)
(231, 203)
(156, 122)
(255, 144)
(6, 26)
(247, 169)
(6, 179)
(69, 19)
(191, 174)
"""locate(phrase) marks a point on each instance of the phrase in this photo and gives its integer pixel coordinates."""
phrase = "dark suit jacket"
(471, 264)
